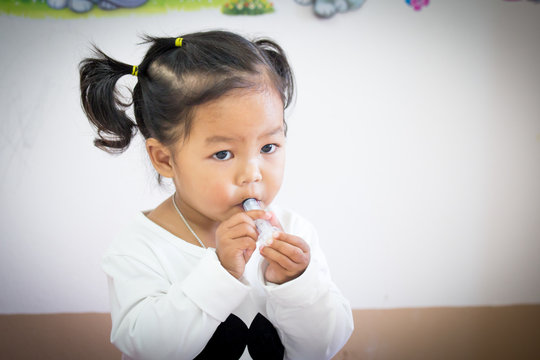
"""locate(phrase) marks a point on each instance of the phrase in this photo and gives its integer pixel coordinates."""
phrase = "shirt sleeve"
(153, 318)
(312, 316)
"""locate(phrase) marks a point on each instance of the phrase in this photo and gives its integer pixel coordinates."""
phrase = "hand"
(236, 240)
(288, 256)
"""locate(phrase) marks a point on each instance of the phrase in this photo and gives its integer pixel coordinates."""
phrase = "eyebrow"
(218, 139)
(226, 139)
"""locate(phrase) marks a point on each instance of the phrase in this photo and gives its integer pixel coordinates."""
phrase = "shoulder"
(132, 238)
(140, 236)
(144, 249)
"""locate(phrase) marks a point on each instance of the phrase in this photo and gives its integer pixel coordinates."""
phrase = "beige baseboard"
(502, 332)
(56, 337)
(505, 332)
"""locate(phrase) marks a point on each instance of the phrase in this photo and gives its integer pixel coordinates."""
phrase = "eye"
(222, 155)
(269, 148)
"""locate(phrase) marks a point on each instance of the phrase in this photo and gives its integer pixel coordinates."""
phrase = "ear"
(161, 157)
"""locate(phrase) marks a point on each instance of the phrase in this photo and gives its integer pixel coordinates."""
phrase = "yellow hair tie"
(135, 70)
(178, 42)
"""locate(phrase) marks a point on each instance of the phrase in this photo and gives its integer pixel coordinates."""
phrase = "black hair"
(173, 80)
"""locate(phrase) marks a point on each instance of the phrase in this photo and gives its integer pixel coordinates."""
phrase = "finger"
(258, 214)
(248, 252)
(275, 221)
(273, 255)
(245, 243)
(241, 230)
(292, 239)
(236, 219)
(276, 267)
(245, 217)
(294, 253)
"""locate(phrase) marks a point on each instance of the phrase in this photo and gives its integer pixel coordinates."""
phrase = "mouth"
(252, 204)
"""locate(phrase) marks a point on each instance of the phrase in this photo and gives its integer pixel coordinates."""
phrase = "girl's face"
(235, 150)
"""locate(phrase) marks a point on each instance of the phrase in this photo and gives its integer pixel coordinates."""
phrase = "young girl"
(188, 279)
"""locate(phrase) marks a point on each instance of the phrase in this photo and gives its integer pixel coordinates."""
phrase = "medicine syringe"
(264, 227)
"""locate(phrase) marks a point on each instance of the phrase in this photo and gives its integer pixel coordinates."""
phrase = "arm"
(312, 316)
(156, 319)
(167, 304)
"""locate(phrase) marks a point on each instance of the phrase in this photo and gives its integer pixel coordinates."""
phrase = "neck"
(203, 227)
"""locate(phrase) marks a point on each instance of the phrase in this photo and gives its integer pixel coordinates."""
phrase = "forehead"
(239, 114)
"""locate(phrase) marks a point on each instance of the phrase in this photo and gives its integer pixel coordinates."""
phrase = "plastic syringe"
(264, 227)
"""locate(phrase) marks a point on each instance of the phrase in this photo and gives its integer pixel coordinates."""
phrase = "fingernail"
(275, 234)
(267, 215)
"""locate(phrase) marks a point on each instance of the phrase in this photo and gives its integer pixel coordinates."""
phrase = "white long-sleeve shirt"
(168, 296)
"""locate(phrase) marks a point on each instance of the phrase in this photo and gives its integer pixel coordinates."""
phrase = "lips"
(250, 197)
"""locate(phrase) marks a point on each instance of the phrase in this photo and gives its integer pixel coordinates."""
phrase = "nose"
(249, 172)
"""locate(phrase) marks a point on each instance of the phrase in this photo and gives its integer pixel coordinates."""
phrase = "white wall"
(414, 147)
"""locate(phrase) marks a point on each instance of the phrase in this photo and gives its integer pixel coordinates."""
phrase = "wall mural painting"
(417, 5)
(252, 7)
(323, 9)
(328, 8)
(102, 8)
(82, 6)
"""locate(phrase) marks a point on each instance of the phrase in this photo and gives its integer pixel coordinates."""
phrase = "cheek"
(216, 188)
(276, 170)
(199, 181)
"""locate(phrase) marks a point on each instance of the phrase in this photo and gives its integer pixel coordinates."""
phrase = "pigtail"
(278, 61)
(101, 102)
